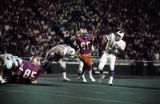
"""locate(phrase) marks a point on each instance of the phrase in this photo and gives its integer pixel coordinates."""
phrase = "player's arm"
(51, 53)
(77, 53)
(104, 39)
(105, 42)
(47, 55)
(19, 72)
(92, 47)
(2, 56)
(77, 35)
(119, 49)
(93, 50)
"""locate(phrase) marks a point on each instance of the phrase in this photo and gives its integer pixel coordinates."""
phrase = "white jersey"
(10, 60)
(63, 50)
(112, 42)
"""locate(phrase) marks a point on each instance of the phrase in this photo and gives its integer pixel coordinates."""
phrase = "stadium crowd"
(27, 26)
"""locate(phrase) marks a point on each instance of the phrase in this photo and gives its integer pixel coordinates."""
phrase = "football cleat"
(3, 82)
(83, 79)
(101, 77)
(92, 79)
(66, 79)
(110, 83)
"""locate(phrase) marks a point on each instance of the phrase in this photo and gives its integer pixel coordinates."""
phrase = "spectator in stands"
(23, 22)
(156, 56)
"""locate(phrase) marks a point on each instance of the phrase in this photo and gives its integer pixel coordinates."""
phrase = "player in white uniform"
(57, 53)
(3, 58)
(114, 46)
(9, 62)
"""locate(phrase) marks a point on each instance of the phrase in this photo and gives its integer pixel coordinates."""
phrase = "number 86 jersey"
(29, 70)
(85, 44)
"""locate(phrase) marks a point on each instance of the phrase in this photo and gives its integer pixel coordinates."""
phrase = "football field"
(52, 90)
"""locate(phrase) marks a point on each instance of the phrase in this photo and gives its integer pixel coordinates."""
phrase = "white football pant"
(107, 58)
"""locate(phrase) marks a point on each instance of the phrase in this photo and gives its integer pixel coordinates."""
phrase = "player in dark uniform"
(84, 41)
(28, 72)
(17, 70)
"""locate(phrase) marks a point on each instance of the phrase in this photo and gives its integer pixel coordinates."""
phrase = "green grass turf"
(52, 90)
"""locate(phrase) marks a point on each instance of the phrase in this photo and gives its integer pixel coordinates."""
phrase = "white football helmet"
(12, 62)
(71, 52)
(121, 34)
(8, 64)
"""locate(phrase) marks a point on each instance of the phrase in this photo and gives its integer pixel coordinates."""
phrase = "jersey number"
(29, 74)
(85, 45)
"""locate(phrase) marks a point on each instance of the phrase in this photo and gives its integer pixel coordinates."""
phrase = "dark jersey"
(85, 44)
(29, 71)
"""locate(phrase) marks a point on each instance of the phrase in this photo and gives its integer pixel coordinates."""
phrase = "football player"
(20, 70)
(57, 53)
(84, 41)
(114, 46)
(28, 72)
(6, 63)
(35, 59)
(2, 80)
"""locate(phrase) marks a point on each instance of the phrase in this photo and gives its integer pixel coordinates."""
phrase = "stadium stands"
(27, 25)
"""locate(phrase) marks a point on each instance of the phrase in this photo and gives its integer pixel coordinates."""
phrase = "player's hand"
(116, 46)
(93, 51)
(34, 82)
(78, 34)
(77, 54)
(109, 49)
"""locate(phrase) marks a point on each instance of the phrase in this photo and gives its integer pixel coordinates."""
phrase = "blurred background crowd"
(27, 26)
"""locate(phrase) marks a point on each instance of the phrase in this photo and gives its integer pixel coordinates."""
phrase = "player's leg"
(63, 66)
(90, 74)
(1, 77)
(90, 69)
(112, 65)
(82, 70)
(2, 80)
(83, 76)
(88, 65)
(101, 65)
